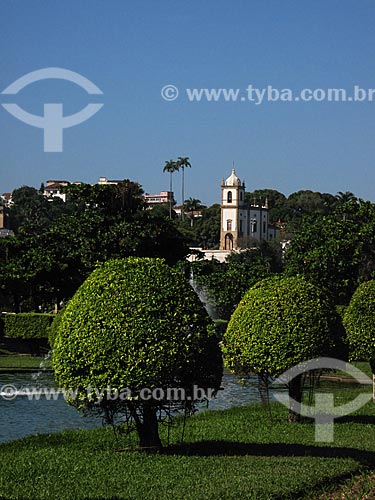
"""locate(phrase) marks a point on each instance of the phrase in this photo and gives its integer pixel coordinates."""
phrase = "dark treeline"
(57, 244)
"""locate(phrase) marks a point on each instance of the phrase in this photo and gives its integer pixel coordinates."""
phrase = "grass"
(360, 487)
(18, 362)
(365, 367)
(231, 454)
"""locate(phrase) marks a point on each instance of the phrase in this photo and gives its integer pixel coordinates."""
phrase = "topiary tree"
(52, 331)
(359, 323)
(135, 325)
(279, 323)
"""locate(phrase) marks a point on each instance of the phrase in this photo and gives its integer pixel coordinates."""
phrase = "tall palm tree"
(170, 166)
(183, 162)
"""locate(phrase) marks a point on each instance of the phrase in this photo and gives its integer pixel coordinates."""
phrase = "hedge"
(27, 325)
(52, 330)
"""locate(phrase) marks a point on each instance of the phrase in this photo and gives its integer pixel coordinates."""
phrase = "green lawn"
(16, 362)
(364, 366)
(233, 454)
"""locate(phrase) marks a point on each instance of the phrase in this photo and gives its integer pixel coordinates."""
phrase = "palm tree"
(170, 166)
(342, 198)
(345, 197)
(192, 207)
(182, 162)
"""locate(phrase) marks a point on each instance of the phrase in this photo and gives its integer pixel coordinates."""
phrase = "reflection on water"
(236, 392)
(22, 416)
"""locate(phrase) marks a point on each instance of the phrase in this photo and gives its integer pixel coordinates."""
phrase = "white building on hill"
(242, 223)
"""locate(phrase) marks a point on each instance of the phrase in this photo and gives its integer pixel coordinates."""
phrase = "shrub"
(27, 325)
(359, 322)
(52, 330)
(136, 323)
(340, 309)
(279, 323)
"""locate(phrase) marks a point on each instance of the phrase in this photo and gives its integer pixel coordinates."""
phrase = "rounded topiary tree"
(359, 323)
(136, 326)
(279, 323)
(52, 331)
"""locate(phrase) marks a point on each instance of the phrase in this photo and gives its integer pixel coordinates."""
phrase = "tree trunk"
(183, 193)
(170, 200)
(295, 389)
(16, 303)
(148, 430)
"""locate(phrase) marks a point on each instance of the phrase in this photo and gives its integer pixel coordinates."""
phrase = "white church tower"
(241, 223)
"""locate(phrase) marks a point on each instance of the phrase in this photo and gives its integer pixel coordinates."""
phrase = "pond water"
(23, 416)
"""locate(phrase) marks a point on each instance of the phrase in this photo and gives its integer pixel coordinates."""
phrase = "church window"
(241, 195)
(229, 197)
(229, 225)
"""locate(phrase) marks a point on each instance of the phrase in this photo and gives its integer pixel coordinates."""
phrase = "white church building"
(241, 223)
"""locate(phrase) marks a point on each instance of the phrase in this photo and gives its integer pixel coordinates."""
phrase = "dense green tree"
(15, 275)
(162, 210)
(307, 203)
(44, 265)
(207, 228)
(225, 284)
(359, 322)
(276, 202)
(274, 197)
(291, 210)
(30, 208)
(279, 323)
(310, 202)
(136, 324)
(122, 199)
(336, 251)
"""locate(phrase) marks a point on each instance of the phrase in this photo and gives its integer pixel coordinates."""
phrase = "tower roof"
(233, 180)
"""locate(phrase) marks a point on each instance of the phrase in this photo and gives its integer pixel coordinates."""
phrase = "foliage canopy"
(279, 323)
(359, 322)
(135, 323)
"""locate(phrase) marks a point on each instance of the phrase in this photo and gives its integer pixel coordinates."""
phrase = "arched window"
(229, 197)
(241, 195)
(229, 225)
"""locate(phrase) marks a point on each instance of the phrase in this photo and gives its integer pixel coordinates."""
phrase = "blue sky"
(130, 50)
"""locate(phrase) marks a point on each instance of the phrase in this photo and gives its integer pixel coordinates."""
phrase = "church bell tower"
(233, 218)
